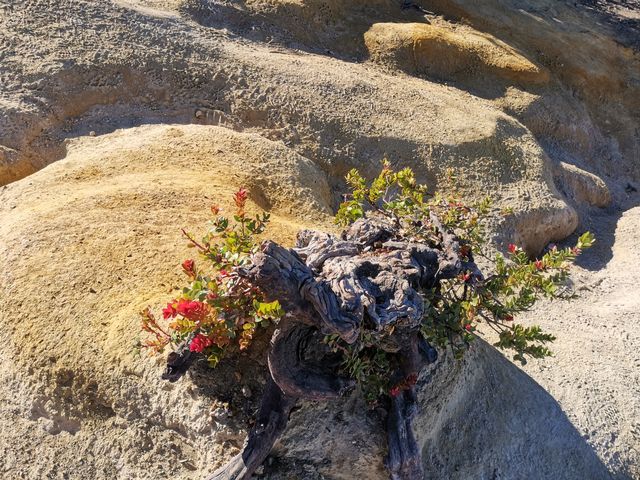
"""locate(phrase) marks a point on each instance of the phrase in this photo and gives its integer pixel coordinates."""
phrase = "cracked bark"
(371, 279)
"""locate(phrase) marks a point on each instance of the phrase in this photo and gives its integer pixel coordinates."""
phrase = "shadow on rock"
(493, 421)
(482, 418)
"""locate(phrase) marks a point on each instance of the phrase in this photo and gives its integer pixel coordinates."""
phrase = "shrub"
(220, 308)
(455, 307)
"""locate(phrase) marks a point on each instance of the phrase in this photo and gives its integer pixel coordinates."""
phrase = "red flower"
(215, 209)
(512, 248)
(193, 310)
(170, 310)
(539, 265)
(467, 327)
(240, 197)
(508, 318)
(189, 267)
(199, 343)
(466, 277)
(405, 384)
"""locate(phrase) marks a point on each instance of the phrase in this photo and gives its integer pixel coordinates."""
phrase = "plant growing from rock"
(219, 309)
(368, 308)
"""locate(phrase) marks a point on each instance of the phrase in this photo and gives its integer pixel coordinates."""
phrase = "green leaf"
(268, 310)
(586, 240)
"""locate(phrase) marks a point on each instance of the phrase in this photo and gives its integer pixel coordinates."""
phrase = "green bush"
(220, 308)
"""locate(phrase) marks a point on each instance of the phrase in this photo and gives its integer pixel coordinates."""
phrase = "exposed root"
(368, 280)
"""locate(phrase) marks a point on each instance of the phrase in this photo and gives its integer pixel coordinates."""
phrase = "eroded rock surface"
(449, 52)
(540, 110)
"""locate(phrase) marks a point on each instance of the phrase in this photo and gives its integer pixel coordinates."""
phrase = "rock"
(502, 400)
(126, 195)
(528, 86)
(337, 122)
(132, 191)
(531, 229)
(11, 166)
(582, 186)
(596, 123)
(449, 52)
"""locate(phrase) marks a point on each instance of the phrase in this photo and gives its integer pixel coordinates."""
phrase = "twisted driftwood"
(368, 279)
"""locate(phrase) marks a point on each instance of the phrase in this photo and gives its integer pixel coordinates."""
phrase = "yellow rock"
(449, 52)
(88, 242)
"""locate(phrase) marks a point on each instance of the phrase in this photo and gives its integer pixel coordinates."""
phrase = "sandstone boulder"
(89, 241)
(450, 53)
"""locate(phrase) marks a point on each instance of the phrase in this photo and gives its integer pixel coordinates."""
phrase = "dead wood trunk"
(369, 280)
(297, 375)
(270, 423)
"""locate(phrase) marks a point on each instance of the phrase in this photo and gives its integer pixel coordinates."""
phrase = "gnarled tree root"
(295, 373)
(404, 460)
(270, 423)
(179, 361)
(367, 280)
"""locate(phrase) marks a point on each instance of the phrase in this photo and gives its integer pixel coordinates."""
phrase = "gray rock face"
(483, 418)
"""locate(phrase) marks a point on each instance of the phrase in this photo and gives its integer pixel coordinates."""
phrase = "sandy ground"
(595, 374)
